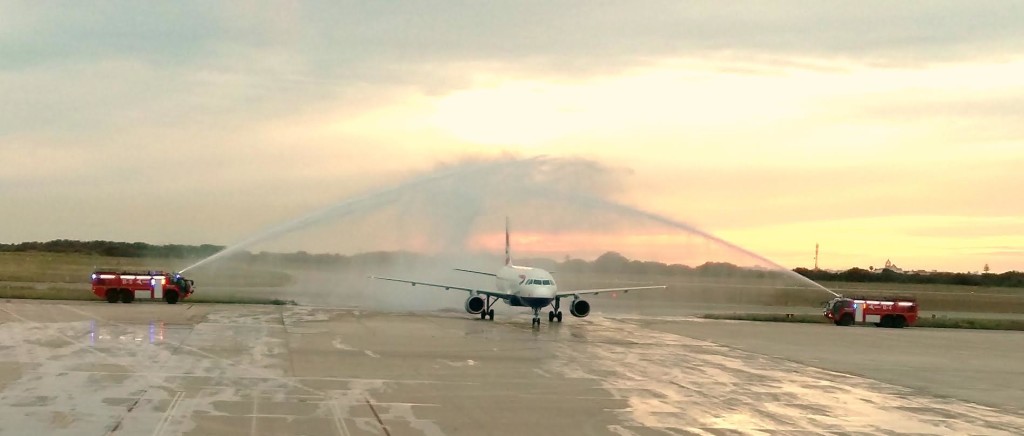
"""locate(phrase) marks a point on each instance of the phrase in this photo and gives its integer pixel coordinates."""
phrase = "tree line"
(114, 249)
(610, 262)
(1011, 279)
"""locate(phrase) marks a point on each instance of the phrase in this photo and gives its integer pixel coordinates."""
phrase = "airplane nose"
(548, 291)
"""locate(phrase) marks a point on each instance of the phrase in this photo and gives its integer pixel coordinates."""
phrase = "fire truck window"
(838, 306)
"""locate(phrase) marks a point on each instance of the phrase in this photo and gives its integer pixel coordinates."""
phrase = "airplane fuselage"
(529, 287)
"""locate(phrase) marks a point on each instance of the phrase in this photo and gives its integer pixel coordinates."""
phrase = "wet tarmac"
(91, 368)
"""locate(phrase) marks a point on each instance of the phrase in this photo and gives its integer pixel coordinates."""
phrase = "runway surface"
(83, 368)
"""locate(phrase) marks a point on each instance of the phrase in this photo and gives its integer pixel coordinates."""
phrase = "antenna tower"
(815, 256)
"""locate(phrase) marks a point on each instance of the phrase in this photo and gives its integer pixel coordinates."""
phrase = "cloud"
(338, 36)
(768, 113)
(573, 35)
(75, 33)
(80, 66)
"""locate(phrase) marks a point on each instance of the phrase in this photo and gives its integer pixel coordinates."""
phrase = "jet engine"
(474, 304)
(579, 308)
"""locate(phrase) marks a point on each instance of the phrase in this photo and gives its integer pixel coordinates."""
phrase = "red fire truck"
(126, 286)
(882, 312)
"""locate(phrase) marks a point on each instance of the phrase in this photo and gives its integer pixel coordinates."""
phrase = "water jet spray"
(561, 193)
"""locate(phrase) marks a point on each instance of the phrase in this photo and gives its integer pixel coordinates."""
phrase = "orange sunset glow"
(904, 146)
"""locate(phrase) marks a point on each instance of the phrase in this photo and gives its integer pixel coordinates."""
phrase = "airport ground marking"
(339, 421)
(255, 410)
(168, 415)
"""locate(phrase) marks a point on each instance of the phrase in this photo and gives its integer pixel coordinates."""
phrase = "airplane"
(521, 286)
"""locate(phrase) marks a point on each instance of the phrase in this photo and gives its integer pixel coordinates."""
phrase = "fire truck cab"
(126, 286)
(889, 312)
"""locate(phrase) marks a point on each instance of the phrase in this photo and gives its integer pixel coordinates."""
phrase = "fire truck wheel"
(112, 296)
(846, 320)
(899, 322)
(171, 297)
(127, 297)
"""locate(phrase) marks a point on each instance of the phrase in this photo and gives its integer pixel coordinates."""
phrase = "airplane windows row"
(540, 282)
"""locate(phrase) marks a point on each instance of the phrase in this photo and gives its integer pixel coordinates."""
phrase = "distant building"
(889, 266)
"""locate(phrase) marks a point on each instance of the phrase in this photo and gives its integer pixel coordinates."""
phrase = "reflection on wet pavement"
(158, 370)
(675, 382)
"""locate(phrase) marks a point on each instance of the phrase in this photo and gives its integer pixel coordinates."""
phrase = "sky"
(878, 130)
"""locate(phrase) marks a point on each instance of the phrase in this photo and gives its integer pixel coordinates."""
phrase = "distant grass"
(945, 299)
(911, 288)
(48, 267)
(76, 268)
(937, 322)
(971, 323)
(769, 317)
(791, 292)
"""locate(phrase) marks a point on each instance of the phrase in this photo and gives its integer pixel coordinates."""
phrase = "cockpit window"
(540, 281)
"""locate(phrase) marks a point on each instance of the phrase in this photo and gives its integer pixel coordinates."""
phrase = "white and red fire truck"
(882, 312)
(126, 286)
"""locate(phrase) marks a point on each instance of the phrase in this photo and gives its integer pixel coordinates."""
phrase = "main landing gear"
(488, 312)
(555, 314)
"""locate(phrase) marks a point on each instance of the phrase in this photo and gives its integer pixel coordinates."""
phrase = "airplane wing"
(446, 287)
(598, 291)
(476, 272)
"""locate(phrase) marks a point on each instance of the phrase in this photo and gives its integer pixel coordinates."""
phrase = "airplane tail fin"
(508, 248)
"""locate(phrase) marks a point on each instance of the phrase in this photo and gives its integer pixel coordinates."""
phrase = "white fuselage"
(532, 287)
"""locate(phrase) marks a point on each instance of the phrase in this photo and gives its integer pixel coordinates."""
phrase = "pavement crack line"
(128, 411)
(377, 415)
